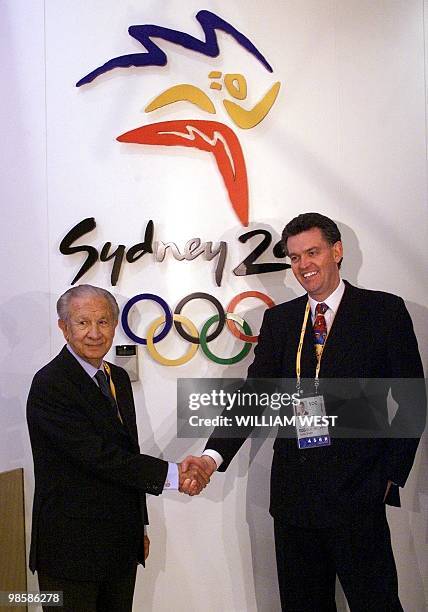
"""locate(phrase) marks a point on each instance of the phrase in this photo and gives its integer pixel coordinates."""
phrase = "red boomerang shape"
(211, 136)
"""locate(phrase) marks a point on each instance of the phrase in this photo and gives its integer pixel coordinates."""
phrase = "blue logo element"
(155, 56)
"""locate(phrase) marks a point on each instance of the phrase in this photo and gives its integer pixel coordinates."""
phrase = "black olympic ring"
(202, 296)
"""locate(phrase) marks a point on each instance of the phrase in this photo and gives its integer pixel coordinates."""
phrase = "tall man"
(328, 503)
(89, 506)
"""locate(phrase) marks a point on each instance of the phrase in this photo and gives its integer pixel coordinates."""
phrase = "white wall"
(346, 137)
(25, 329)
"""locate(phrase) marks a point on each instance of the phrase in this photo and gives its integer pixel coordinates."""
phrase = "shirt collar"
(89, 368)
(332, 301)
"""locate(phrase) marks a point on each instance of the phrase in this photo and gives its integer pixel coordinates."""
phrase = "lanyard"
(300, 347)
(112, 388)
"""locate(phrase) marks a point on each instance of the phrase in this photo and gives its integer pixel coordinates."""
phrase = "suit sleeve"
(264, 366)
(407, 389)
(54, 419)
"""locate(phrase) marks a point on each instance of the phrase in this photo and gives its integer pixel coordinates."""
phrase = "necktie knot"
(101, 379)
(104, 386)
(321, 308)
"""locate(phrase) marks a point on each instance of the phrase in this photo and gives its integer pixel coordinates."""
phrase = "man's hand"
(204, 465)
(146, 547)
(192, 477)
(205, 462)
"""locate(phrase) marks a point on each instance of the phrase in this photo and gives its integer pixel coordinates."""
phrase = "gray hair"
(80, 291)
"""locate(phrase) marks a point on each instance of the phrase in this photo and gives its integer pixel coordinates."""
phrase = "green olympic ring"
(225, 360)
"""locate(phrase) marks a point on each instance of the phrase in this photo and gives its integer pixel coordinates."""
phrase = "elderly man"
(89, 506)
(328, 501)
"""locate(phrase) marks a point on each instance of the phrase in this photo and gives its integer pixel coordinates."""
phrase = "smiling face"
(315, 262)
(89, 328)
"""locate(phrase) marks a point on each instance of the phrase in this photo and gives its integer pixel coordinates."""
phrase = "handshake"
(194, 473)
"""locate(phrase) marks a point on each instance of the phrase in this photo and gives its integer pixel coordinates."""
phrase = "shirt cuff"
(214, 455)
(171, 482)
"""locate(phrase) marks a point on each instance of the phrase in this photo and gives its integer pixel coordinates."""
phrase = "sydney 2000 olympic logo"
(212, 136)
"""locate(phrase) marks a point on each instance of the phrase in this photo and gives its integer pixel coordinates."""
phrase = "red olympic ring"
(232, 305)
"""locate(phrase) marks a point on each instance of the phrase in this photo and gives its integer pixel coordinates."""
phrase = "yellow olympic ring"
(164, 360)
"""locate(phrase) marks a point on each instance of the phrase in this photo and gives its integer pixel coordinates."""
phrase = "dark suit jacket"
(90, 479)
(371, 337)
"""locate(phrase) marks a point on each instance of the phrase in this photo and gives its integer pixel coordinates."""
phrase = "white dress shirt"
(332, 302)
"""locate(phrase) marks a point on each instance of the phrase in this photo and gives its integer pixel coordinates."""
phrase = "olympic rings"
(222, 360)
(164, 360)
(190, 333)
(232, 305)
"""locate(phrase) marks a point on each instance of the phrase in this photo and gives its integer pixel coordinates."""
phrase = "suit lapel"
(92, 395)
(339, 347)
(125, 406)
(308, 357)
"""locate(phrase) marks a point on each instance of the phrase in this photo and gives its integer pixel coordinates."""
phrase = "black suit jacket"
(89, 505)
(371, 337)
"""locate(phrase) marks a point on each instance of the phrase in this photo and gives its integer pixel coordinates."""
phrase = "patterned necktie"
(320, 328)
(106, 391)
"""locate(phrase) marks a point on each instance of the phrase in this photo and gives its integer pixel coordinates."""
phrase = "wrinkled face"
(90, 328)
(314, 262)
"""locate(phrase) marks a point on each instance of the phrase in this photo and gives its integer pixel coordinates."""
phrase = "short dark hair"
(308, 221)
(80, 291)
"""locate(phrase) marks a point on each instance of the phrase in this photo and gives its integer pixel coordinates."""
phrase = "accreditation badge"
(311, 422)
